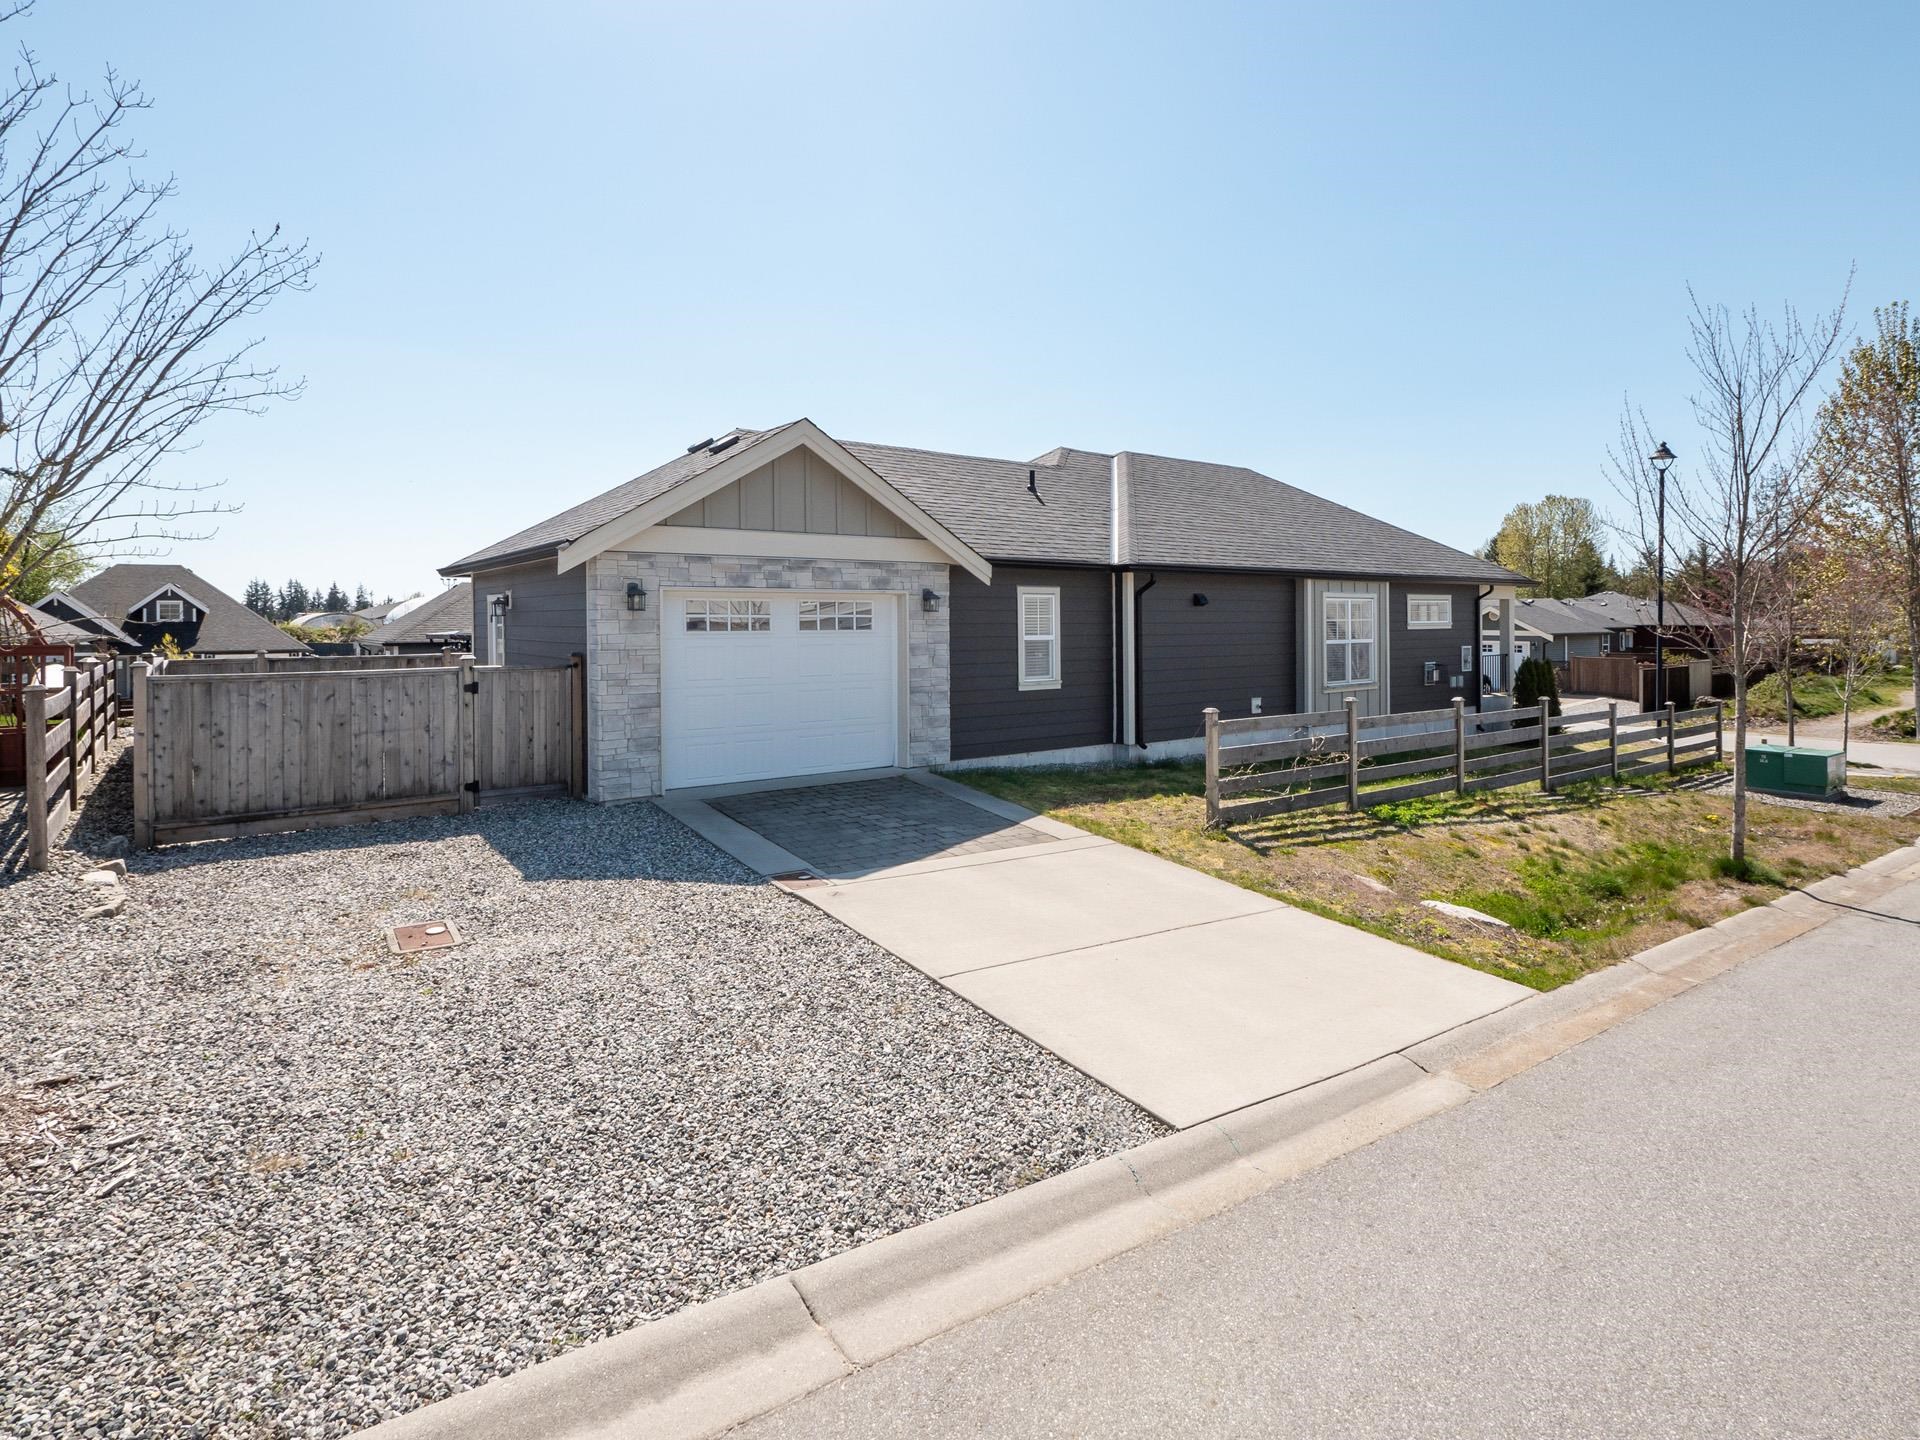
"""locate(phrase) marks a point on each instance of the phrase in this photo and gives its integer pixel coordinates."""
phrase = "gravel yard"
(360, 1182)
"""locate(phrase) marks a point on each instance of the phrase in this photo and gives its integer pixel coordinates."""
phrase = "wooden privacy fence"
(1332, 757)
(1615, 675)
(65, 731)
(234, 754)
(261, 663)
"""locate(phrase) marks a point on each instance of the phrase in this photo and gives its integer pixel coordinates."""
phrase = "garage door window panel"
(820, 616)
(712, 617)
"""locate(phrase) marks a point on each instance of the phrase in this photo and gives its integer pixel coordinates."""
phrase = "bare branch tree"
(1749, 492)
(116, 340)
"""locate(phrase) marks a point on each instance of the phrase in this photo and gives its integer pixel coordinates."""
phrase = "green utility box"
(1796, 770)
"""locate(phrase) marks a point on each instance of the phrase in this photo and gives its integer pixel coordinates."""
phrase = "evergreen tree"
(293, 601)
(260, 598)
(362, 597)
(1535, 681)
(336, 598)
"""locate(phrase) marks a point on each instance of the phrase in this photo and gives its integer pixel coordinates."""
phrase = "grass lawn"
(1816, 695)
(1586, 876)
(1882, 780)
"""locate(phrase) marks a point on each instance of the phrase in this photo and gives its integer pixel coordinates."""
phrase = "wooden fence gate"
(218, 754)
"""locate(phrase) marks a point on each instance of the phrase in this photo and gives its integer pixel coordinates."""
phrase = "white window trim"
(1373, 645)
(1443, 600)
(1052, 592)
(161, 618)
(1606, 642)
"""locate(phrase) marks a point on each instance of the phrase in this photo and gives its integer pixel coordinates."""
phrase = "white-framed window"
(821, 615)
(711, 617)
(1606, 642)
(1039, 637)
(1350, 636)
(169, 610)
(497, 629)
(1429, 612)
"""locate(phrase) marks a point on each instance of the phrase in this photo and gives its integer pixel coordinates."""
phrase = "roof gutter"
(464, 568)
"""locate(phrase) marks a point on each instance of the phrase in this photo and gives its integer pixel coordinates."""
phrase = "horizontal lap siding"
(547, 623)
(1409, 649)
(1238, 645)
(991, 714)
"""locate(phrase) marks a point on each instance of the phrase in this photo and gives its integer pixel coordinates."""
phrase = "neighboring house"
(1632, 624)
(146, 602)
(441, 623)
(778, 603)
(94, 630)
(378, 615)
(1566, 628)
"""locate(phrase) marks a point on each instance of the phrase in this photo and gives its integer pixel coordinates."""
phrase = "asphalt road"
(1705, 1222)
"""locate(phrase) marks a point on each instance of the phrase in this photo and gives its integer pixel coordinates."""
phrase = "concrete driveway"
(1189, 996)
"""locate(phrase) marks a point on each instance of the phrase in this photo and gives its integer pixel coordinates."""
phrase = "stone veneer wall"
(623, 651)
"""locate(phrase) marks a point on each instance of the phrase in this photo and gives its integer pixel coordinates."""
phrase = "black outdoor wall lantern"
(929, 601)
(636, 595)
(1198, 598)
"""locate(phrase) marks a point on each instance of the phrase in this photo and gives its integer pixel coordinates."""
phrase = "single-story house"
(1566, 628)
(443, 622)
(70, 623)
(777, 602)
(1634, 623)
(146, 602)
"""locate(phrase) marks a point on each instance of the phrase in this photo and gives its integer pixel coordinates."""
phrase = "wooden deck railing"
(1284, 763)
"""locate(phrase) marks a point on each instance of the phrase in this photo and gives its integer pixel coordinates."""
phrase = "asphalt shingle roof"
(1563, 617)
(1190, 512)
(227, 626)
(987, 504)
(1178, 513)
(449, 611)
(569, 525)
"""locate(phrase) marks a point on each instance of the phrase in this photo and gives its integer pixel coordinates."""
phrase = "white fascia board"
(623, 532)
(173, 590)
(781, 545)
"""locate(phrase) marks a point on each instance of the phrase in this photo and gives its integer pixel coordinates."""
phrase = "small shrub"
(1535, 681)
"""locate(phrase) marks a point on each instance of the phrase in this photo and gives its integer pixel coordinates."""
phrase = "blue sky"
(1410, 256)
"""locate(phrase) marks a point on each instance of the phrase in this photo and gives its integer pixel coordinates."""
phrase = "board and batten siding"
(799, 493)
(991, 714)
(547, 622)
(1238, 645)
(1313, 691)
(1410, 649)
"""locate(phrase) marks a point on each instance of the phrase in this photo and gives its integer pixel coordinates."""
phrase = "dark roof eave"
(472, 566)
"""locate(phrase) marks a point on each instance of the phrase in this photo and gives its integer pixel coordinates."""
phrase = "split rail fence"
(1271, 765)
(221, 753)
(65, 733)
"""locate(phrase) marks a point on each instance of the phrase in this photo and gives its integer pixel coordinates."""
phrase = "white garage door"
(760, 684)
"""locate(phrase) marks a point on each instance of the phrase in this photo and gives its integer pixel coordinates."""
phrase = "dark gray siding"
(548, 620)
(1409, 650)
(1238, 645)
(992, 715)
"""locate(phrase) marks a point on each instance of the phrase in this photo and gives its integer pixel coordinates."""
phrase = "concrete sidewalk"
(1189, 996)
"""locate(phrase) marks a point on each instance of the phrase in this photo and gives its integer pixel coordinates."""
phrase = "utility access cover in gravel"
(352, 1182)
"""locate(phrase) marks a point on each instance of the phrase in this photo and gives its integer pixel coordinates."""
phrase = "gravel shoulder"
(355, 1183)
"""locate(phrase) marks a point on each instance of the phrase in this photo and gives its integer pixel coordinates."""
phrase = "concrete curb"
(712, 1366)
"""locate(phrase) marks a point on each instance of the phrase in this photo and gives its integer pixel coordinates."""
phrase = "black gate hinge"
(472, 687)
(472, 785)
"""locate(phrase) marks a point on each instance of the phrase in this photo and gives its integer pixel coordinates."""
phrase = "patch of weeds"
(1749, 871)
(1589, 899)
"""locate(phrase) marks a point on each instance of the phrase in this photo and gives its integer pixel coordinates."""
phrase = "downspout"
(1479, 626)
(1139, 666)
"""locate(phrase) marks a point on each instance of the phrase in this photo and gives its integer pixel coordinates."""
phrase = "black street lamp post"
(1662, 460)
